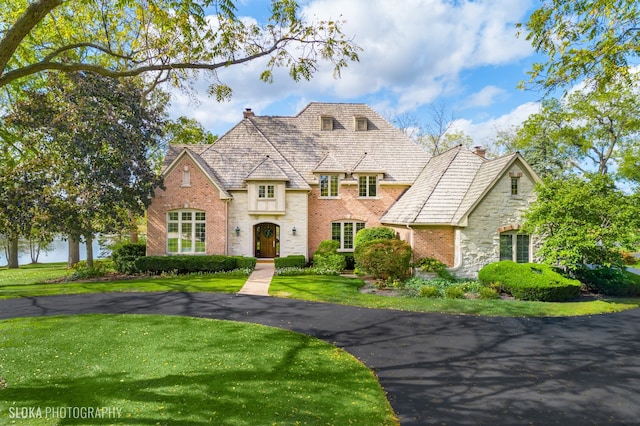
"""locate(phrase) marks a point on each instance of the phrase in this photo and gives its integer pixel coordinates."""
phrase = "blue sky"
(460, 54)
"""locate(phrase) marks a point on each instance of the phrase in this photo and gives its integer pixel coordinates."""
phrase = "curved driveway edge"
(436, 369)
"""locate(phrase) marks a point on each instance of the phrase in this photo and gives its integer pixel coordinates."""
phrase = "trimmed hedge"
(372, 234)
(124, 256)
(610, 281)
(529, 281)
(188, 264)
(331, 262)
(291, 261)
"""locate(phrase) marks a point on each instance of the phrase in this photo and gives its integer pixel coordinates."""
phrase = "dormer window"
(326, 123)
(361, 124)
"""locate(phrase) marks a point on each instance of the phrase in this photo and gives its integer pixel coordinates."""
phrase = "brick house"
(277, 186)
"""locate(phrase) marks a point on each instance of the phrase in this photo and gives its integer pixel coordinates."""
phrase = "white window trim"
(330, 178)
(266, 192)
(514, 245)
(179, 235)
(342, 223)
(377, 178)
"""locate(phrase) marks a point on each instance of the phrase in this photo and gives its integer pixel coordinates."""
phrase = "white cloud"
(485, 97)
(484, 133)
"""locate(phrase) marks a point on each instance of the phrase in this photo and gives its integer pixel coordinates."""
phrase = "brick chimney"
(248, 113)
(479, 151)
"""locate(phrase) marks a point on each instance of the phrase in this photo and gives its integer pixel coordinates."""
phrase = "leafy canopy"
(598, 40)
(166, 40)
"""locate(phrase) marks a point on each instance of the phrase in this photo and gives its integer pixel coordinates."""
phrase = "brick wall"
(322, 212)
(200, 195)
(436, 242)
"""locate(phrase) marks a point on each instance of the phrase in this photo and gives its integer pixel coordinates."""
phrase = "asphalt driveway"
(436, 369)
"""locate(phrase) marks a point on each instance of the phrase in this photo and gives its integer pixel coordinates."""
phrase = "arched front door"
(267, 240)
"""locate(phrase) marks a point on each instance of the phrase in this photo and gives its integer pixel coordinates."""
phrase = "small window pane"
(506, 247)
(362, 186)
(372, 186)
(334, 186)
(186, 215)
(514, 186)
(172, 245)
(271, 191)
(522, 248)
(200, 216)
(348, 236)
(173, 215)
(172, 227)
(324, 186)
(336, 231)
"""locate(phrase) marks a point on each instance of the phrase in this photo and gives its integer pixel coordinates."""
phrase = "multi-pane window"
(186, 231)
(514, 185)
(344, 233)
(266, 191)
(368, 186)
(515, 247)
(328, 186)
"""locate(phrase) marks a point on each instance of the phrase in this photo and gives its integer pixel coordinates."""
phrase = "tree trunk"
(12, 255)
(74, 251)
(133, 229)
(89, 239)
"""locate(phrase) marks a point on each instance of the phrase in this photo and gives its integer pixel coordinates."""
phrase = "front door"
(267, 240)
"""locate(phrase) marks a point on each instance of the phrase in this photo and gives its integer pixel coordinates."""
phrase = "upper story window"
(514, 185)
(186, 231)
(516, 247)
(328, 186)
(368, 186)
(361, 124)
(266, 191)
(344, 233)
(326, 123)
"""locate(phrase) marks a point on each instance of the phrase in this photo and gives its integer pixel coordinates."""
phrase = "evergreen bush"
(185, 264)
(124, 256)
(291, 261)
(529, 281)
(375, 233)
(384, 259)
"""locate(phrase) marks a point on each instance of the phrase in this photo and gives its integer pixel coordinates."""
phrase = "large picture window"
(344, 233)
(515, 247)
(328, 186)
(186, 231)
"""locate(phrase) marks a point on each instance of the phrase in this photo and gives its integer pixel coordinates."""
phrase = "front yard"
(31, 280)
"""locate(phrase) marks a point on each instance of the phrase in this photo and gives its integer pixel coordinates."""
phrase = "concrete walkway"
(258, 282)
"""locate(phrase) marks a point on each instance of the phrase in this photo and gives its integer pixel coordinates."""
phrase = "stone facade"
(478, 243)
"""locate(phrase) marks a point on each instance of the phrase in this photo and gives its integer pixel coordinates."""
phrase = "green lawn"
(28, 281)
(345, 291)
(181, 370)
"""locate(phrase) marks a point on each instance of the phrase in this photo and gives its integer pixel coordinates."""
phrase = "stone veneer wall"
(478, 244)
(202, 195)
(348, 206)
(296, 207)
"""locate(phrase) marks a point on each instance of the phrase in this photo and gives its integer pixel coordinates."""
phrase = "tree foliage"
(583, 221)
(598, 40)
(163, 39)
(587, 131)
(91, 136)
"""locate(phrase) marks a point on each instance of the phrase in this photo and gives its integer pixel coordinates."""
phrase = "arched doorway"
(266, 240)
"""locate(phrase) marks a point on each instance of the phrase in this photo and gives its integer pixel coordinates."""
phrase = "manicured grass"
(344, 290)
(32, 274)
(28, 281)
(180, 370)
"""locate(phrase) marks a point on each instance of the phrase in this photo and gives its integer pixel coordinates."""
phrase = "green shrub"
(610, 281)
(81, 270)
(372, 234)
(429, 291)
(431, 264)
(331, 262)
(327, 247)
(454, 292)
(384, 259)
(488, 293)
(529, 281)
(243, 262)
(124, 256)
(185, 264)
(291, 261)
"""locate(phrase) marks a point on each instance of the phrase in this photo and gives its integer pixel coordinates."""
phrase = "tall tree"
(164, 39)
(597, 40)
(98, 135)
(583, 220)
(590, 130)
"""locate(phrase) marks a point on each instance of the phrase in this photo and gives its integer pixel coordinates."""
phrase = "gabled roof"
(267, 169)
(328, 164)
(177, 152)
(450, 187)
(367, 164)
(438, 191)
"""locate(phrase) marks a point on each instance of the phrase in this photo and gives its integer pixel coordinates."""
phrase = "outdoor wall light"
(293, 230)
(237, 231)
